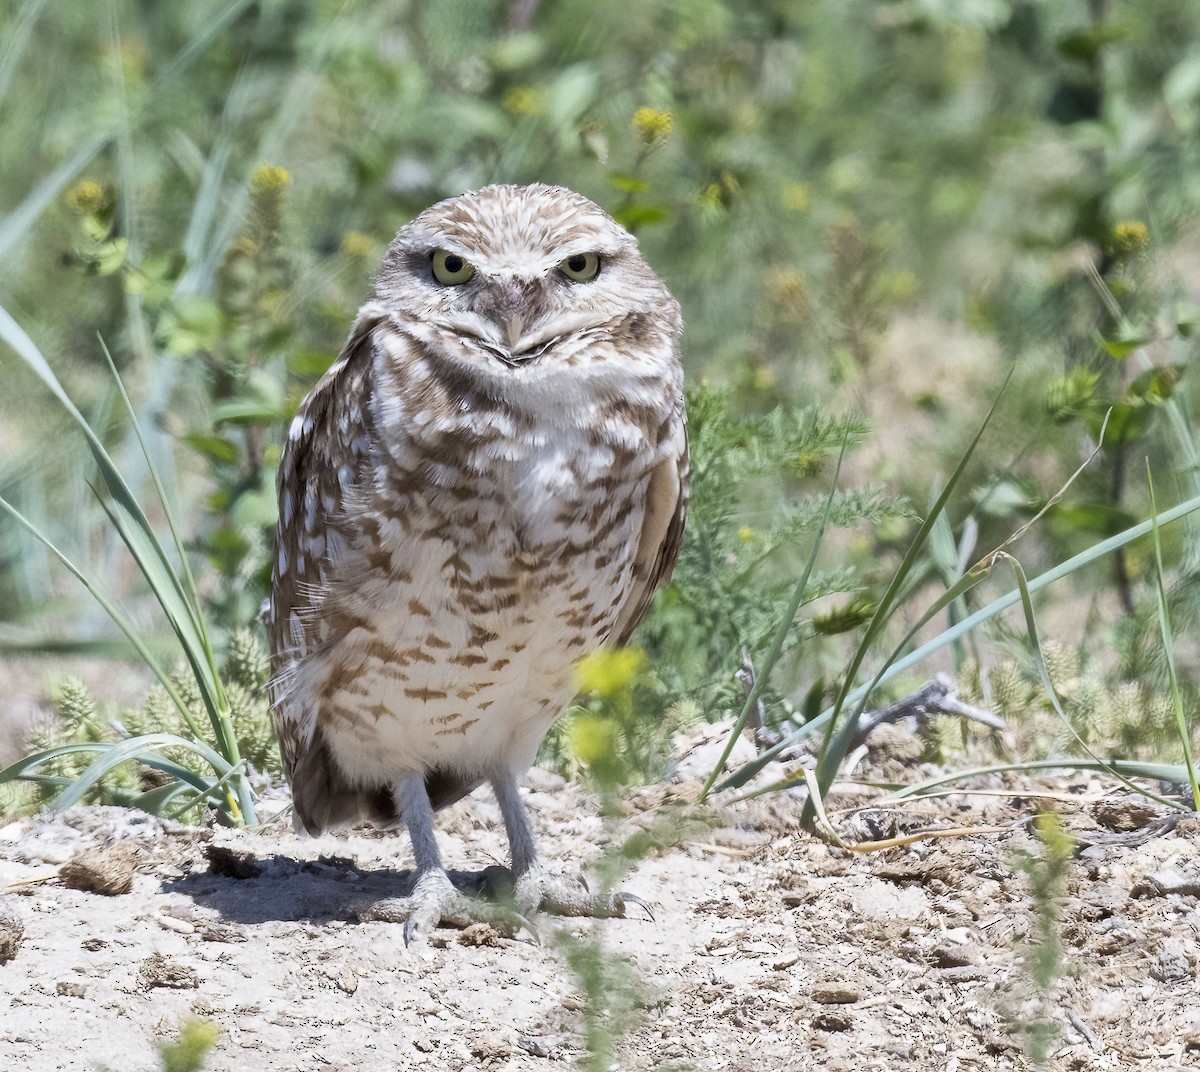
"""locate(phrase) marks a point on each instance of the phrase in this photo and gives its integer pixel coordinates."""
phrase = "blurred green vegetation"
(865, 207)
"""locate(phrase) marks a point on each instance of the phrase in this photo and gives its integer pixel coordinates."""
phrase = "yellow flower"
(593, 740)
(1129, 237)
(745, 534)
(652, 125)
(524, 100)
(269, 179)
(357, 244)
(87, 197)
(609, 670)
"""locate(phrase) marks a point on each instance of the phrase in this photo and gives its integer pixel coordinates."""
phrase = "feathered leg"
(536, 889)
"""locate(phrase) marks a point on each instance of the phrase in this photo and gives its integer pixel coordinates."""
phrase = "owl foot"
(435, 902)
(568, 895)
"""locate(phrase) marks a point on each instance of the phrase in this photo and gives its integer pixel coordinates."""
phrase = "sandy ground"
(770, 949)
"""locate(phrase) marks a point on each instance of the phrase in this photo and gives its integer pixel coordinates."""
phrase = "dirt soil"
(770, 949)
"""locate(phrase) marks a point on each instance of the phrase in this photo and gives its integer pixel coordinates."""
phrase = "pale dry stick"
(936, 697)
(922, 835)
(1084, 1030)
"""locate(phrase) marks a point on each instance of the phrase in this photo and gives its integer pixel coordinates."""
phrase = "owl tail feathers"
(323, 798)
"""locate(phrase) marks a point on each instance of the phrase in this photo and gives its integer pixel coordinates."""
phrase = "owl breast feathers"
(488, 483)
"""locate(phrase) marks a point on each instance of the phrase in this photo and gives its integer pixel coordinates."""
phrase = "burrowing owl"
(488, 483)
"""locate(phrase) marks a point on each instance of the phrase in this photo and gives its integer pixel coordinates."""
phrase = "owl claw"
(568, 895)
(622, 898)
(436, 902)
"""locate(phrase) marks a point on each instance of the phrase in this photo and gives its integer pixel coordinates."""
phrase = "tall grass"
(170, 580)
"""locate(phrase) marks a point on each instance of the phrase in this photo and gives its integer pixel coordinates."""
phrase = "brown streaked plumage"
(489, 482)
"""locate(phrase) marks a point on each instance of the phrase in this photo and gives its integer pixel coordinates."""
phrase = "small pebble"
(12, 933)
(106, 870)
(835, 993)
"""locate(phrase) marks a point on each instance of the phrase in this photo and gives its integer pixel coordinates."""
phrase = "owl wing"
(319, 471)
(313, 483)
(662, 527)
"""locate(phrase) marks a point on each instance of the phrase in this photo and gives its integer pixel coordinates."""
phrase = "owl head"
(521, 280)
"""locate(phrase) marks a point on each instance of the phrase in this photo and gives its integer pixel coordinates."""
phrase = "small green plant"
(80, 722)
(604, 739)
(1014, 690)
(189, 1052)
(1046, 872)
(169, 578)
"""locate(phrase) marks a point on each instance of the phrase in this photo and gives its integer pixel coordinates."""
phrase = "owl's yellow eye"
(582, 268)
(450, 269)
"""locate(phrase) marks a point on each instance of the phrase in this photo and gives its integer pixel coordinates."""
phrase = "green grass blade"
(128, 517)
(1172, 773)
(113, 612)
(1044, 671)
(835, 745)
(21, 768)
(1122, 769)
(191, 592)
(1168, 639)
(17, 38)
(202, 783)
(781, 633)
(124, 751)
(17, 223)
(997, 606)
(155, 801)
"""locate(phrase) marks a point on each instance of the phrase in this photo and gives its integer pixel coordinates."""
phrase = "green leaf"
(110, 257)
(1156, 385)
(309, 364)
(628, 182)
(1086, 43)
(258, 508)
(634, 217)
(1127, 421)
(514, 51)
(1094, 519)
(214, 447)
(1122, 346)
(251, 411)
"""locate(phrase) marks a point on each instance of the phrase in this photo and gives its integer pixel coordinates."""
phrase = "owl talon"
(622, 898)
(568, 895)
(435, 902)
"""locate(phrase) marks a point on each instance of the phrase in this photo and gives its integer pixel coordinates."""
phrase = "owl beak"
(514, 328)
(512, 305)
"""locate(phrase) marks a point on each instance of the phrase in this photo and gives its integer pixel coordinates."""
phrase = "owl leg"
(434, 899)
(534, 888)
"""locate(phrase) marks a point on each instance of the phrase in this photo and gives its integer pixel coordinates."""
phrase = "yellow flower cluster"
(269, 179)
(652, 125)
(524, 100)
(609, 670)
(1129, 237)
(87, 197)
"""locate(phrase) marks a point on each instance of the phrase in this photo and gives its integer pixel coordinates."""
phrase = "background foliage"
(870, 210)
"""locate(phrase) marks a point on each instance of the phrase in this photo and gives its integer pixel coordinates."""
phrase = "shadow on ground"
(244, 887)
